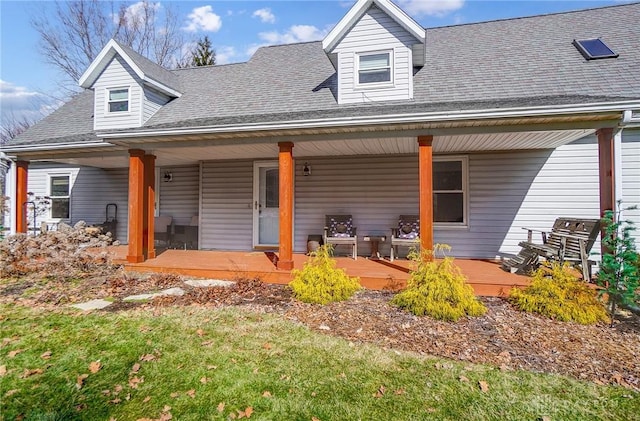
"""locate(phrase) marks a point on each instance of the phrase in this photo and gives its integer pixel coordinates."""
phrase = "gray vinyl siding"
(375, 31)
(631, 178)
(91, 190)
(179, 197)
(227, 196)
(118, 74)
(153, 101)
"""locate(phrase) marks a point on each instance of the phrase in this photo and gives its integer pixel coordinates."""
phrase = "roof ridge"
(566, 12)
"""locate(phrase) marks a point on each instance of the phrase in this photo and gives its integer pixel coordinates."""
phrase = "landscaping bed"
(504, 337)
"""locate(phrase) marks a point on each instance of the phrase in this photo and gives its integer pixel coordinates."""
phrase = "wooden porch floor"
(485, 277)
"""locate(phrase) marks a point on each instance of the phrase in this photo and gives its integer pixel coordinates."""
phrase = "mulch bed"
(504, 337)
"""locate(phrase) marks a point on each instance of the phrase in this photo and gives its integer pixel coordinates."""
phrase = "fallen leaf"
(463, 379)
(147, 399)
(11, 392)
(212, 367)
(46, 355)
(15, 352)
(3, 370)
(246, 413)
(166, 408)
(204, 380)
(80, 380)
(128, 397)
(135, 368)
(165, 416)
(106, 392)
(266, 394)
(380, 392)
(81, 407)
(28, 373)
(266, 346)
(399, 392)
(484, 386)
(313, 394)
(191, 393)
(545, 418)
(221, 407)
(315, 419)
(116, 400)
(200, 332)
(134, 381)
(174, 394)
(255, 370)
(207, 343)
(117, 389)
(94, 367)
(148, 357)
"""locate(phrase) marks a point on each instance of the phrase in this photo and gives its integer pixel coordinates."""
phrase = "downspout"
(5, 166)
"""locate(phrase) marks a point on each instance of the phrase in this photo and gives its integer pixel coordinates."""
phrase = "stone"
(204, 283)
(93, 305)
(150, 296)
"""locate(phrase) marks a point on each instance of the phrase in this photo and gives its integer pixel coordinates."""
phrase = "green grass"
(246, 354)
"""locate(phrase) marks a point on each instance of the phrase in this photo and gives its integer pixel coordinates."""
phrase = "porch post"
(136, 206)
(150, 200)
(425, 167)
(22, 168)
(606, 166)
(285, 169)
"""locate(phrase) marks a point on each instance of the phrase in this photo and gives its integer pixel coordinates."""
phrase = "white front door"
(266, 198)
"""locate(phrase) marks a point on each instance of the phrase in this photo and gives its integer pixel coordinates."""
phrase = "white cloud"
(226, 54)
(296, 33)
(265, 15)
(18, 102)
(436, 8)
(203, 19)
(136, 12)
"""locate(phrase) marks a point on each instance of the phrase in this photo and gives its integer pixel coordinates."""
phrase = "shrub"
(619, 275)
(320, 281)
(438, 289)
(557, 293)
(69, 253)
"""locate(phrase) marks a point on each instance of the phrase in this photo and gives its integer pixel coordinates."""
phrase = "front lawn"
(198, 363)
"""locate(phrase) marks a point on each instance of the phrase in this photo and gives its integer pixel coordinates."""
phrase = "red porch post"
(425, 168)
(606, 166)
(285, 165)
(136, 206)
(150, 200)
(22, 168)
(606, 169)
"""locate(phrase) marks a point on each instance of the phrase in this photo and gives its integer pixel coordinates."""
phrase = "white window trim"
(465, 192)
(107, 102)
(49, 213)
(376, 85)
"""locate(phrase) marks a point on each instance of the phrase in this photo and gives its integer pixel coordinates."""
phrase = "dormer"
(374, 49)
(128, 87)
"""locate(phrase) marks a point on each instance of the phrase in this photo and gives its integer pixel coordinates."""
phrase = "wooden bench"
(570, 240)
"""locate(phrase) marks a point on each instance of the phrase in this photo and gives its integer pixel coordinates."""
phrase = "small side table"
(375, 241)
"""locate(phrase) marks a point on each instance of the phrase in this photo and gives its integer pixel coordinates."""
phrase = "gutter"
(56, 146)
(537, 111)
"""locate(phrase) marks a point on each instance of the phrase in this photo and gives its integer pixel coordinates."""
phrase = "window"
(449, 191)
(593, 49)
(59, 194)
(118, 100)
(374, 68)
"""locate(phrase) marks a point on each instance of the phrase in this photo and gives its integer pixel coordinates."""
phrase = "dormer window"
(375, 68)
(118, 100)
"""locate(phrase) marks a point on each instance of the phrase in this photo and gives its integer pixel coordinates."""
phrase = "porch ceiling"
(192, 152)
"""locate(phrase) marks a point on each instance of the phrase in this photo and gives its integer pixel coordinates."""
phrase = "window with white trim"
(375, 68)
(118, 100)
(59, 192)
(450, 191)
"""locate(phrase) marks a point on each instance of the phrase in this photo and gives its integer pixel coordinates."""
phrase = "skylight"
(593, 49)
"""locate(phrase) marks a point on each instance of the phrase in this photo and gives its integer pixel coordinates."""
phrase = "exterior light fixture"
(306, 170)
(168, 177)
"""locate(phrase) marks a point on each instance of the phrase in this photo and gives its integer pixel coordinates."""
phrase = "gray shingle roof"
(506, 63)
(151, 69)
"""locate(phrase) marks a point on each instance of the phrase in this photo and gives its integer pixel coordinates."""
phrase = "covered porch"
(486, 277)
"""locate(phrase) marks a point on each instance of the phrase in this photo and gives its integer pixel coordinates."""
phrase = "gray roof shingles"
(506, 63)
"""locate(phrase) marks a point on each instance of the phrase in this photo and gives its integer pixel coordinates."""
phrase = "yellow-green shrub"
(320, 281)
(438, 289)
(557, 293)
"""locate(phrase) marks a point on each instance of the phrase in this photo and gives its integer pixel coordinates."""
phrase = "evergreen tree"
(202, 55)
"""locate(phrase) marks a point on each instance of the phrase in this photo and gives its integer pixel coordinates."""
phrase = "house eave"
(50, 147)
(455, 117)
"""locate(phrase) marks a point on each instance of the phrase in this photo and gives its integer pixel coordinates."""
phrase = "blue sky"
(236, 28)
